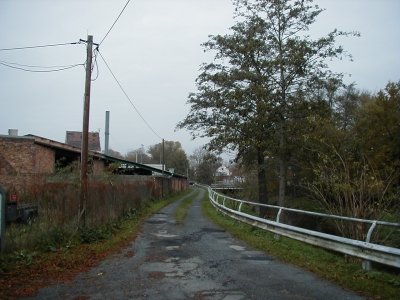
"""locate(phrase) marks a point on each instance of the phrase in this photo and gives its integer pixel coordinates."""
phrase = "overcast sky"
(154, 51)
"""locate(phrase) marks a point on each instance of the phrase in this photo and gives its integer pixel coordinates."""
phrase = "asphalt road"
(195, 260)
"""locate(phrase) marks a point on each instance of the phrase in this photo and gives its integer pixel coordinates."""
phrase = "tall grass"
(109, 199)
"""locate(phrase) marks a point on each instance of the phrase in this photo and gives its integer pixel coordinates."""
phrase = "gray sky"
(154, 50)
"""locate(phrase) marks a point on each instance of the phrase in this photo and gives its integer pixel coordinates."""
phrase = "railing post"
(240, 206)
(278, 215)
(223, 201)
(366, 264)
(277, 236)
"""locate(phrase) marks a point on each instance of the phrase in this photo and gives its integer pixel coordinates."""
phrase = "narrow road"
(195, 260)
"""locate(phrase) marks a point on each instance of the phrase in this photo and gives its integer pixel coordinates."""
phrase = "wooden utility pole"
(85, 133)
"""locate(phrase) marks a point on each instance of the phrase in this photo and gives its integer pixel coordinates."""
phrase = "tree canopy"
(174, 156)
(247, 97)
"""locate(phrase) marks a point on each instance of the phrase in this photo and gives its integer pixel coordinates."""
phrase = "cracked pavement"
(194, 260)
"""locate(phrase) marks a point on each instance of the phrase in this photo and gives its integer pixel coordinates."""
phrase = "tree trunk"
(282, 166)
(262, 182)
(282, 180)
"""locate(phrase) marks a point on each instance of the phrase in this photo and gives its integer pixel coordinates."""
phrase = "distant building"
(156, 166)
(25, 160)
(74, 138)
(223, 171)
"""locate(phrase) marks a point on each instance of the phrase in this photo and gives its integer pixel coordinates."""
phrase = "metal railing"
(366, 250)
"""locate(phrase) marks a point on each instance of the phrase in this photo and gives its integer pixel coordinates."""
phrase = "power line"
(38, 46)
(114, 22)
(129, 99)
(41, 71)
(95, 64)
(36, 66)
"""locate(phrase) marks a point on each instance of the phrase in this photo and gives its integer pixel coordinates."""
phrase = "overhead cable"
(37, 46)
(114, 22)
(36, 66)
(129, 99)
(95, 64)
(40, 71)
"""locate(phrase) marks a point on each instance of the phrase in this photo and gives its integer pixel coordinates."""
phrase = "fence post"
(240, 206)
(2, 219)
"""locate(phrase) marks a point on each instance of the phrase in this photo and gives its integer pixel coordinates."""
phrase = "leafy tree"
(175, 156)
(232, 105)
(139, 156)
(347, 103)
(204, 164)
(245, 98)
(353, 170)
(377, 130)
(115, 153)
(297, 62)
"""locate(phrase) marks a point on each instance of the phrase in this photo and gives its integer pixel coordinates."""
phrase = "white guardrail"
(366, 250)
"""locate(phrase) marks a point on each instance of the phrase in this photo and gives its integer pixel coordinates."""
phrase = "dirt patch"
(81, 298)
(130, 253)
(156, 275)
(155, 257)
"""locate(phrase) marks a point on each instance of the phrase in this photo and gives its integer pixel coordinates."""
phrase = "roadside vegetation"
(344, 271)
(24, 271)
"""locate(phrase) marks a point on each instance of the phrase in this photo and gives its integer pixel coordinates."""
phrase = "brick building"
(74, 138)
(25, 160)
(29, 157)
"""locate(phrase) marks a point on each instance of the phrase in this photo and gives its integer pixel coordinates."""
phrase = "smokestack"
(107, 132)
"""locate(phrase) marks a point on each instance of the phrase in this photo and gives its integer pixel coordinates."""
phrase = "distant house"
(223, 171)
(74, 138)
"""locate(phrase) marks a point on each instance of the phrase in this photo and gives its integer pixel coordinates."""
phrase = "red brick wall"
(98, 167)
(22, 162)
(23, 156)
(44, 160)
(17, 154)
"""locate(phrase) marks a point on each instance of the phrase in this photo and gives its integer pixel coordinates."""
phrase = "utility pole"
(85, 133)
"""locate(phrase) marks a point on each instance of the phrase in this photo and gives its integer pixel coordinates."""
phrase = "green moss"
(182, 209)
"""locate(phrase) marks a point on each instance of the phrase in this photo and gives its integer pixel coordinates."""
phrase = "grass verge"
(331, 266)
(27, 272)
(182, 209)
